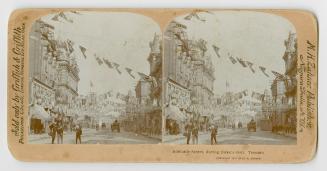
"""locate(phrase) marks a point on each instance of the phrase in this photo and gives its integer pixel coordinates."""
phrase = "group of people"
(192, 132)
(56, 129)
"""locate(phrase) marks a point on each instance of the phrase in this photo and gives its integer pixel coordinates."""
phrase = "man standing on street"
(53, 131)
(213, 135)
(78, 130)
(188, 130)
(195, 134)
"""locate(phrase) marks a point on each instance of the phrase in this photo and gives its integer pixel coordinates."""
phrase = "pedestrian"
(78, 130)
(53, 131)
(60, 130)
(195, 133)
(213, 135)
(188, 132)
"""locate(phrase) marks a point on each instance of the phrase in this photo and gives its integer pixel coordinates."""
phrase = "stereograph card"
(162, 85)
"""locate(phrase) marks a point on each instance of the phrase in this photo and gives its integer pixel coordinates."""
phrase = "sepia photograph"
(95, 78)
(162, 85)
(230, 77)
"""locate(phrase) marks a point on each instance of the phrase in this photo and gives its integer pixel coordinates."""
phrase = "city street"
(237, 136)
(91, 136)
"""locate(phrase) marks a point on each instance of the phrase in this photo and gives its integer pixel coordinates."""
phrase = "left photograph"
(95, 78)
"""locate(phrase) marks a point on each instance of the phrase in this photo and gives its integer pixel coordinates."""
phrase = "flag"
(233, 60)
(116, 67)
(55, 18)
(83, 50)
(62, 15)
(143, 76)
(69, 45)
(75, 12)
(100, 62)
(194, 14)
(277, 74)
(129, 71)
(109, 64)
(240, 60)
(250, 64)
(216, 50)
(91, 84)
(263, 69)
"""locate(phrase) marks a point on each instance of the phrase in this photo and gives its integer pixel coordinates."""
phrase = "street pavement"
(237, 136)
(92, 136)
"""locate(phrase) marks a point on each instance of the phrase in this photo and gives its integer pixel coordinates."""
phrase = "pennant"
(194, 14)
(109, 64)
(75, 12)
(233, 60)
(277, 74)
(69, 45)
(143, 76)
(55, 18)
(263, 69)
(250, 64)
(62, 15)
(83, 50)
(216, 49)
(129, 71)
(240, 60)
(100, 62)
(116, 67)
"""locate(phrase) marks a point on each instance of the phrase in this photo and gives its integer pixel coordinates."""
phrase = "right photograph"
(230, 77)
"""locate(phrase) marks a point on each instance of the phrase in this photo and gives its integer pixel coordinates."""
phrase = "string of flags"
(246, 64)
(110, 64)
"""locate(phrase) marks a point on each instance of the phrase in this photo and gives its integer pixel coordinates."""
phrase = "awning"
(38, 112)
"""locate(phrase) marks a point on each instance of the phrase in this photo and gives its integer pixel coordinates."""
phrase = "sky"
(254, 36)
(124, 38)
(117, 36)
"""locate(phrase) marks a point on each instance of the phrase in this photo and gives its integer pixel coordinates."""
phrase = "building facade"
(42, 70)
(290, 58)
(189, 69)
(53, 73)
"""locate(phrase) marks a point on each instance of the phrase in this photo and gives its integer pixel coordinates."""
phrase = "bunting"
(109, 64)
(233, 60)
(100, 62)
(83, 50)
(69, 45)
(129, 71)
(75, 12)
(277, 74)
(250, 64)
(117, 67)
(194, 14)
(55, 17)
(263, 69)
(62, 15)
(216, 49)
(143, 76)
(240, 60)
